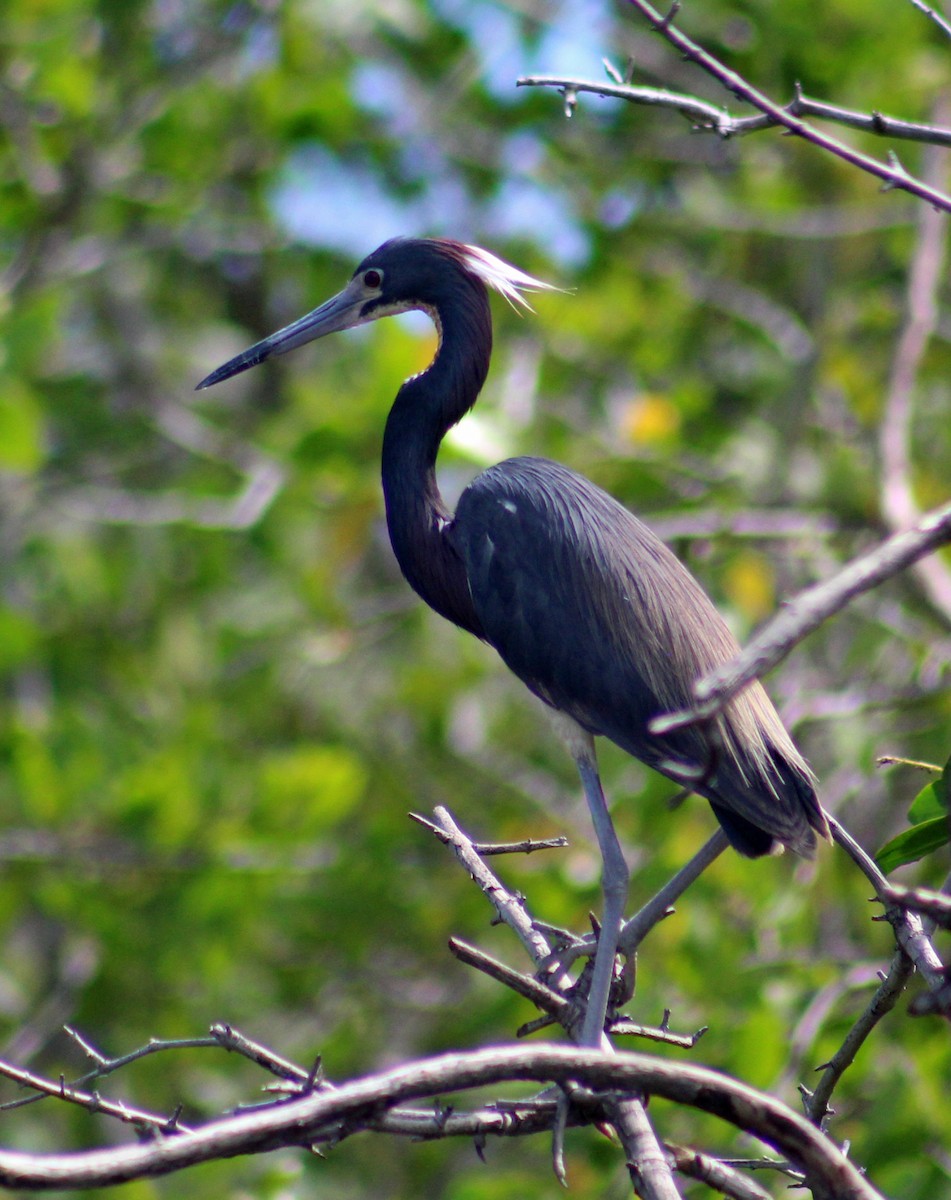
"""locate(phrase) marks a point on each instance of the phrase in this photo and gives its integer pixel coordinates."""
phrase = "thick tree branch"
(301, 1122)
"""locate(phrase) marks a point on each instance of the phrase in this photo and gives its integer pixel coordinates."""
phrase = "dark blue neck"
(426, 407)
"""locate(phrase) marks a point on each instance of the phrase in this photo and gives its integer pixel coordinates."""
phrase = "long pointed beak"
(342, 311)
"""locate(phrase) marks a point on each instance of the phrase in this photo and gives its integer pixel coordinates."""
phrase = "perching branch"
(936, 906)
(913, 938)
(646, 1162)
(348, 1108)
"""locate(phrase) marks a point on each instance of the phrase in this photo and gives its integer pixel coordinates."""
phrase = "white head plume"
(502, 277)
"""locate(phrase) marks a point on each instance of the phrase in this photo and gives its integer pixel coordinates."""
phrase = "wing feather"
(593, 612)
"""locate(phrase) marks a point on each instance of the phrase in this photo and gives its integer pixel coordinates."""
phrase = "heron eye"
(372, 279)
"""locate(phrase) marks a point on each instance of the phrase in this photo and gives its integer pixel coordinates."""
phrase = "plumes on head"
(502, 277)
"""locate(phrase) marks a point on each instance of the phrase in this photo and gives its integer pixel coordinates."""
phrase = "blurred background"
(219, 699)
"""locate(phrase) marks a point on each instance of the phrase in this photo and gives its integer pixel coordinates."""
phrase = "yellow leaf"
(750, 585)
(650, 418)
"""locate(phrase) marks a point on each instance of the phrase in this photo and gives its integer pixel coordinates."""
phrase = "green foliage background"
(211, 731)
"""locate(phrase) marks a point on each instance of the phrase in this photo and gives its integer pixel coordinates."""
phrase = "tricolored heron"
(582, 601)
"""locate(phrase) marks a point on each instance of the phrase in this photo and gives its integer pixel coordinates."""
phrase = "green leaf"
(19, 638)
(21, 428)
(943, 785)
(930, 802)
(914, 844)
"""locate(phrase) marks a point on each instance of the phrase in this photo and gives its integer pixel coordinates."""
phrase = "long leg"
(614, 873)
(614, 884)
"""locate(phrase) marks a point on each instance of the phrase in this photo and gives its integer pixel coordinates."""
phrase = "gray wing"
(590, 609)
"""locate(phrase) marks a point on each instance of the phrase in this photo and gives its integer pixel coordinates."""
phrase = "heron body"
(582, 601)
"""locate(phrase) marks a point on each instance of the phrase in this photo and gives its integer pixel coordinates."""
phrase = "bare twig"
(489, 849)
(935, 16)
(726, 1180)
(104, 1066)
(934, 905)
(510, 908)
(891, 173)
(710, 117)
(541, 996)
(623, 1027)
(911, 934)
(816, 1103)
(149, 1122)
(647, 1165)
(230, 1038)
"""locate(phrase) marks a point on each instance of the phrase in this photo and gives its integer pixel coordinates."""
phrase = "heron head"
(402, 274)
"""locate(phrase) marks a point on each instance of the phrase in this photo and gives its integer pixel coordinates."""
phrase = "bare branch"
(707, 115)
(727, 1180)
(104, 1066)
(230, 1038)
(646, 1162)
(891, 173)
(301, 1122)
(934, 905)
(510, 908)
(912, 936)
(816, 1102)
(710, 118)
(541, 996)
(942, 24)
(146, 1121)
(489, 849)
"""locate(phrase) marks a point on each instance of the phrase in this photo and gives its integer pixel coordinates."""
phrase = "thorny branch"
(913, 938)
(915, 949)
(816, 1101)
(647, 1165)
(312, 1112)
(352, 1107)
(709, 118)
(789, 117)
(722, 1177)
